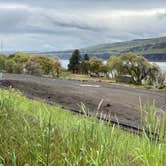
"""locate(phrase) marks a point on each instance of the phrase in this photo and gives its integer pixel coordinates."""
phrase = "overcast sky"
(45, 25)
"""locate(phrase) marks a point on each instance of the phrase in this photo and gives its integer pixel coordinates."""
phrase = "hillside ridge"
(154, 49)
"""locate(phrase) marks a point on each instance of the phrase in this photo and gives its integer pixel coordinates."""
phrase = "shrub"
(2, 62)
(30, 64)
(20, 57)
(56, 67)
(32, 68)
(10, 66)
(161, 80)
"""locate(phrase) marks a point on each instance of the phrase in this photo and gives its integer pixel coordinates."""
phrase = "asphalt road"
(119, 102)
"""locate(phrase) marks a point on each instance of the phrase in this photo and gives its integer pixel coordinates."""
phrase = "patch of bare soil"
(119, 102)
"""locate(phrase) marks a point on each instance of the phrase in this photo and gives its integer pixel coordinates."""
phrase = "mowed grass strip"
(35, 133)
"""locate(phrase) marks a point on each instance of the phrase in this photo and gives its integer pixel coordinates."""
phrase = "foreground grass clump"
(33, 133)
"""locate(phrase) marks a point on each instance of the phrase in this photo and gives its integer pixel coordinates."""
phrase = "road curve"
(119, 102)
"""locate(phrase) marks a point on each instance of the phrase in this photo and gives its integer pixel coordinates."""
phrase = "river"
(162, 65)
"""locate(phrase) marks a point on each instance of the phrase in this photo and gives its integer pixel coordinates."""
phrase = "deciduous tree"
(115, 66)
(95, 65)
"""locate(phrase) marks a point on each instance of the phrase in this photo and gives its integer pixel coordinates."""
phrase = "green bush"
(30, 64)
(32, 68)
(161, 80)
(2, 62)
(10, 66)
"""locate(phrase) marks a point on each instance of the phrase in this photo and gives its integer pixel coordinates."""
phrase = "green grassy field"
(34, 133)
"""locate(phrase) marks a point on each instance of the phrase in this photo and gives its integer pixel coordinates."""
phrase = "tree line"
(127, 67)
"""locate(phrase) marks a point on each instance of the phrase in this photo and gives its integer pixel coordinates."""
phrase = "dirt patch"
(119, 102)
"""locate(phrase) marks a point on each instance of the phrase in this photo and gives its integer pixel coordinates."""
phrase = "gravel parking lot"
(119, 102)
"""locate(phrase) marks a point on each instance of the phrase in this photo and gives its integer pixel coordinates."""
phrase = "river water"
(162, 65)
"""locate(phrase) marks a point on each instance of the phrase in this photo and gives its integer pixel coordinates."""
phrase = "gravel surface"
(119, 102)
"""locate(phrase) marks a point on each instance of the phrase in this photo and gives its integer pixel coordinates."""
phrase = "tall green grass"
(153, 122)
(33, 133)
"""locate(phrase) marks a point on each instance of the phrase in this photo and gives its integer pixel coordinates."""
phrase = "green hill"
(153, 49)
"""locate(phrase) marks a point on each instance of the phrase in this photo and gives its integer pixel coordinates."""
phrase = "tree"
(104, 69)
(95, 65)
(74, 61)
(115, 66)
(86, 57)
(136, 66)
(84, 66)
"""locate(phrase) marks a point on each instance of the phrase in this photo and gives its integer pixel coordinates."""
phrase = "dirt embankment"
(119, 102)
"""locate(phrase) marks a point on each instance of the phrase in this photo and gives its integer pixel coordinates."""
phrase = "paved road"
(118, 101)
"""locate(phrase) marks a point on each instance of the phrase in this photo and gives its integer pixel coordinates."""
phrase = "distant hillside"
(153, 49)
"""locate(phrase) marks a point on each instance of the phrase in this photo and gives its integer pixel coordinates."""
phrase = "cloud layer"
(48, 25)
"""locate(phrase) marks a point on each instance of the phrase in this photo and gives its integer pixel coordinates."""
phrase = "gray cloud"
(97, 4)
(43, 25)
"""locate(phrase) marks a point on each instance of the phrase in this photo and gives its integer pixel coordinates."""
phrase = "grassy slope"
(34, 133)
